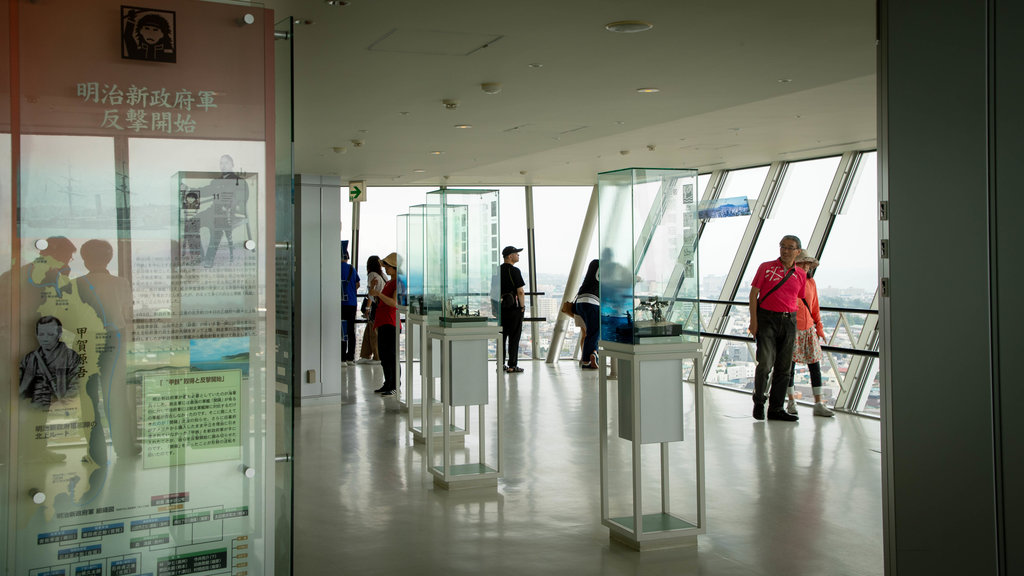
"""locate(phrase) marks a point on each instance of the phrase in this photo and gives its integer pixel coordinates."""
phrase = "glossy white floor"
(783, 499)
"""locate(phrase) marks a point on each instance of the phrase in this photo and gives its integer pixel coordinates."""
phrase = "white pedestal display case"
(651, 425)
(460, 265)
(652, 470)
(464, 383)
(420, 386)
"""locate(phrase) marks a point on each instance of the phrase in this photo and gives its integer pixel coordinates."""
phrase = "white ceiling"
(742, 82)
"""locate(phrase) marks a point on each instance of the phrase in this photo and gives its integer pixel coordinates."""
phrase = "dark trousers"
(348, 325)
(776, 333)
(511, 331)
(814, 371)
(387, 347)
(591, 314)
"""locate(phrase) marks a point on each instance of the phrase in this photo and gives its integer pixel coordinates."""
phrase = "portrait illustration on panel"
(147, 34)
(50, 372)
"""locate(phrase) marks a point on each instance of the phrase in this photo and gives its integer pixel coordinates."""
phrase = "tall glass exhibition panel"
(648, 235)
(140, 436)
(412, 253)
(6, 223)
(463, 330)
(651, 421)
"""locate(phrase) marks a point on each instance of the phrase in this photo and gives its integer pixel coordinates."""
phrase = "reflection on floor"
(782, 498)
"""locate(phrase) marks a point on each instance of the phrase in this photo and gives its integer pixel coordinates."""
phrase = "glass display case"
(402, 250)
(648, 263)
(461, 256)
(411, 252)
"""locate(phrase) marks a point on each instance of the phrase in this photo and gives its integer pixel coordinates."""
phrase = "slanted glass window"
(721, 237)
(795, 211)
(850, 258)
(848, 275)
(558, 214)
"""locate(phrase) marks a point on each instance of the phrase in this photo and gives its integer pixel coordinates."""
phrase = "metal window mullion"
(532, 272)
(770, 188)
(711, 192)
(356, 215)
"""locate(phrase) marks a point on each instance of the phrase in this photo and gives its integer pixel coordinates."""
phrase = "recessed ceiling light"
(536, 65)
(647, 90)
(628, 26)
(336, 2)
(463, 126)
(419, 171)
(784, 80)
(436, 152)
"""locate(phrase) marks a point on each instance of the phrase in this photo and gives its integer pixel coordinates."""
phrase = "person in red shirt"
(777, 287)
(385, 321)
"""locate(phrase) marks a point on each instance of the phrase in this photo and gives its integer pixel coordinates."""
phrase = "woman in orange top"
(809, 330)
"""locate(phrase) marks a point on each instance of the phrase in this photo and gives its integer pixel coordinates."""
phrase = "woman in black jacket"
(588, 307)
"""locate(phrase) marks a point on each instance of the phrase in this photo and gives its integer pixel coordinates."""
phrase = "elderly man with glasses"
(774, 296)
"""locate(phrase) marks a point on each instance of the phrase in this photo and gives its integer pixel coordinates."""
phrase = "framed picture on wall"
(148, 34)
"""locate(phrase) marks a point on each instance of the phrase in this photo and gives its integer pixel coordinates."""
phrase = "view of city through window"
(846, 279)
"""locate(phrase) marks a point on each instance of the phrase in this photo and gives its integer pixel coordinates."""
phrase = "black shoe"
(380, 390)
(758, 411)
(388, 392)
(781, 414)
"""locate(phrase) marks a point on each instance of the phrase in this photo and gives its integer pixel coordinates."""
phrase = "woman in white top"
(368, 350)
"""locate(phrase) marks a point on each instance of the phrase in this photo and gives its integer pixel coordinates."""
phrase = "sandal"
(513, 370)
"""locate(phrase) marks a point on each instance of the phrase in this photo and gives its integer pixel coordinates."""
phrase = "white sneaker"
(822, 410)
(791, 406)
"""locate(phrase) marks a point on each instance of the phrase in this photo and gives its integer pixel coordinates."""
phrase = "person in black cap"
(513, 304)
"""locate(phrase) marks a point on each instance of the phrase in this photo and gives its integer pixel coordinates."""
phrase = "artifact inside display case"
(461, 256)
(648, 264)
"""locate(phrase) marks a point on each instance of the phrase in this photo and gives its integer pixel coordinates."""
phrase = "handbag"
(368, 308)
(567, 308)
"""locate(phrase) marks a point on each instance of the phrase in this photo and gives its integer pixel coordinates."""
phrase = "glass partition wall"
(7, 393)
(283, 218)
(139, 420)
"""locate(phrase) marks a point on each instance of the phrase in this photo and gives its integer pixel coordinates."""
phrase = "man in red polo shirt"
(774, 294)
